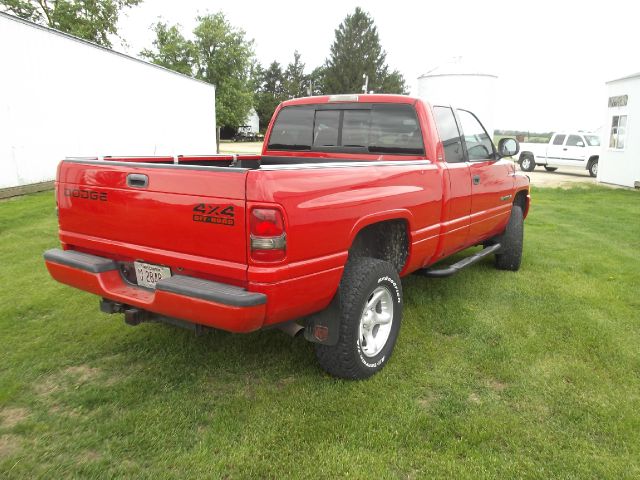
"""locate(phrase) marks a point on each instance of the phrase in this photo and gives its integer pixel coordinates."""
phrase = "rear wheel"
(550, 169)
(370, 314)
(527, 163)
(593, 168)
(509, 256)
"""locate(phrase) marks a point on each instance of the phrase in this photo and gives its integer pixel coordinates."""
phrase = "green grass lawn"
(534, 374)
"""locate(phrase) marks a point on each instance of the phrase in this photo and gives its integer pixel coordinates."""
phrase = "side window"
(618, 132)
(293, 129)
(449, 134)
(395, 129)
(575, 141)
(355, 128)
(325, 129)
(559, 140)
(479, 145)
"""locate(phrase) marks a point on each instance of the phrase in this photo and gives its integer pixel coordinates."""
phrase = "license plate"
(148, 275)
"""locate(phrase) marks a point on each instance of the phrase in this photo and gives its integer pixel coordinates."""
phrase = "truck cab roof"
(351, 98)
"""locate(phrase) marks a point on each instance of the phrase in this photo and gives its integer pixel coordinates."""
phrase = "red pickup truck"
(351, 193)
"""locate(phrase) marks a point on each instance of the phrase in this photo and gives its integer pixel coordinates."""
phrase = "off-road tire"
(593, 168)
(509, 256)
(361, 277)
(527, 163)
(550, 169)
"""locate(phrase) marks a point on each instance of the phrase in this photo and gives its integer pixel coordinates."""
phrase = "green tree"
(295, 80)
(93, 20)
(172, 50)
(356, 51)
(218, 54)
(270, 92)
(316, 80)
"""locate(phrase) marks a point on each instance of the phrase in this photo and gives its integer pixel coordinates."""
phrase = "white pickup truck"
(573, 149)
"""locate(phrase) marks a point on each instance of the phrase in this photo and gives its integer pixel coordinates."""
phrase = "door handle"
(565, 149)
(137, 180)
(476, 179)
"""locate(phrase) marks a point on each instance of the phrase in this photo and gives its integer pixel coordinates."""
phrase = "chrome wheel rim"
(525, 164)
(594, 169)
(376, 321)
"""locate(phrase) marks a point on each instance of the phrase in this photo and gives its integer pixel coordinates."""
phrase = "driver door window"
(478, 142)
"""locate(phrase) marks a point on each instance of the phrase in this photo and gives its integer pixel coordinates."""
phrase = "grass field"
(534, 374)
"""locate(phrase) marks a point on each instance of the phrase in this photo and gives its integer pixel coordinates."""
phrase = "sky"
(552, 58)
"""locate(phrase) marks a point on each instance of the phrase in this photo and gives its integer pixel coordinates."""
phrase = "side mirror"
(580, 144)
(508, 147)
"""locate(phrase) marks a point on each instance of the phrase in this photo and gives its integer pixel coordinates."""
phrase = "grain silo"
(463, 85)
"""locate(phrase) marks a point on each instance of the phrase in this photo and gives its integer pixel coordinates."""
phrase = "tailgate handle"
(137, 180)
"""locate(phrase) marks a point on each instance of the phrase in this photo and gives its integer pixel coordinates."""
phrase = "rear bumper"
(213, 304)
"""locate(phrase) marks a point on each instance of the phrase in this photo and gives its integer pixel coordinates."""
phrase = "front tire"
(370, 296)
(527, 163)
(593, 168)
(509, 256)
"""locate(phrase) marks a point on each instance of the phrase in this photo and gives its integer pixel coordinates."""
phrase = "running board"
(465, 262)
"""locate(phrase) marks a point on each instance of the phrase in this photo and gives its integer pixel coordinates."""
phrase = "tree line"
(221, 54)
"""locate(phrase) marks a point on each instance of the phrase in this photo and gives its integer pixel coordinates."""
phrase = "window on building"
(618, 132)
(479, 145)
(559, 140)
(449, 134)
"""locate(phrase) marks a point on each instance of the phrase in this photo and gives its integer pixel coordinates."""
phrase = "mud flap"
(324, 327)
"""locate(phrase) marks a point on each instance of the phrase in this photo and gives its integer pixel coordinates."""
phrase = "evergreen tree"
(356, 51)
(295, 81)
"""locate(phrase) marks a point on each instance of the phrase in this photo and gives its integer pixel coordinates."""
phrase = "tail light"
(268, 238)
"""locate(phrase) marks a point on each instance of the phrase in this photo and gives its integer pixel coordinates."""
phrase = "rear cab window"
(559, 139)
(375, 128)
(575, 141)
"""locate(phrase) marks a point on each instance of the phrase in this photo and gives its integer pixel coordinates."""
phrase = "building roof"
(628, 77)
(95, 45)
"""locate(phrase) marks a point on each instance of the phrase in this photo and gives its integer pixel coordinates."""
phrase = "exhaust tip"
(293, 329)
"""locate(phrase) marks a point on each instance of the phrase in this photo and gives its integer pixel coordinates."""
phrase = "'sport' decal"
(214, 214)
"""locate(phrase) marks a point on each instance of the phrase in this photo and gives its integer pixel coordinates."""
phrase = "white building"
(620, 158)
(252, 121)
(463, 85)
(61, 96)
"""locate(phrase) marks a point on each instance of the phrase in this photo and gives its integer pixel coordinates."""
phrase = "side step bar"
(465, 262)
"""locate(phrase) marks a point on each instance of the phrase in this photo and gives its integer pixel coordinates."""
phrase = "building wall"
(60, 97)
(475, 93)
(253, 121)
(622, 167)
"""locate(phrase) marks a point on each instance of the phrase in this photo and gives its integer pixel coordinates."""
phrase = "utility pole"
(365, 77)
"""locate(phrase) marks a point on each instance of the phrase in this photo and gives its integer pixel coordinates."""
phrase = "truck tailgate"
(185, 217)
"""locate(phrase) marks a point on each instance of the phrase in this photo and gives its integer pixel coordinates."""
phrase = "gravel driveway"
(563, 177)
